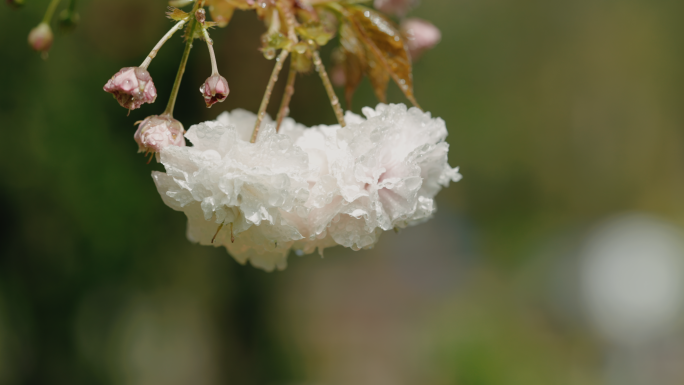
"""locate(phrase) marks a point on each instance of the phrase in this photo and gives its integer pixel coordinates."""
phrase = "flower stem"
(269, 89)
(291, 22)
(50, 11)
(287, 96)
(334, 101)
(181, 69)
(161, 42)
(210, 45)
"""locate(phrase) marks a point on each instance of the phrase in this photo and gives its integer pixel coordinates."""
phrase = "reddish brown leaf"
(386, 45)
(378, 76)
(354, 61)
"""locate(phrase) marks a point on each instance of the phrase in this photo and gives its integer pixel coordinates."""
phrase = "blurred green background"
(561, 115)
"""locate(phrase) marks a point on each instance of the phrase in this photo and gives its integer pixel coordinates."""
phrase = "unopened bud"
(157, 132)
(215, 89)
(131, 87)
(394, 7)
(421, 36)
(40, 38)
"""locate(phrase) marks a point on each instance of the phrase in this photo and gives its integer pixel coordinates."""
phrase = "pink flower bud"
(394, 7)
(215, 89)
(40, 38)
(421, 36)
(157, 132)
(131, 87)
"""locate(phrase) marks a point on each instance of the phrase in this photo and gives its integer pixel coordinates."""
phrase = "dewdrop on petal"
(157, 132)
(132, 87)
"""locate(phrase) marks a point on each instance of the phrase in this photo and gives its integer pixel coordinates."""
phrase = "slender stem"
(334, 101)
(287, 96)
(50, 11)
(161, 42)
(269, 89)
(290, 21)
(274, 27)
(181, 69)
(210, 45)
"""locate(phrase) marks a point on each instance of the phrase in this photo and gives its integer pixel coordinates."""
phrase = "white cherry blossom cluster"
(304, 189)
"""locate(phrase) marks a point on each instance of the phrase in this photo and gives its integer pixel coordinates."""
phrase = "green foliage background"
(559, 114)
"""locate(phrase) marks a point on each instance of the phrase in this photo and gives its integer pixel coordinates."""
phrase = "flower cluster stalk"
(181, 69)
(334, 101)
(50, 11)
(161, 42)
(291, 22)
(212, 55)
(269, 89)
(287, 96)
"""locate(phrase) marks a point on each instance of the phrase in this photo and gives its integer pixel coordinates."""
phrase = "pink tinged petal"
(215, 89)
(132, 87)
(150, 92)
(157, 132)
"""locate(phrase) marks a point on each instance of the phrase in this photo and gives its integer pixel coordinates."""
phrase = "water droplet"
(269, 53)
